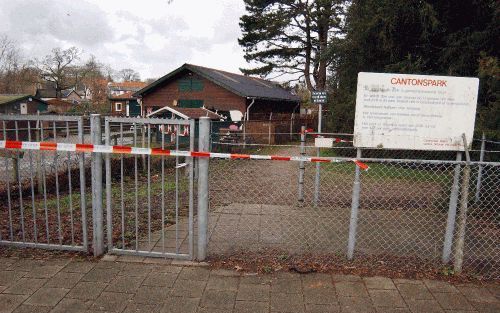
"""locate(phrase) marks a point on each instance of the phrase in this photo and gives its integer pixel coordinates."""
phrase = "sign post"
(418, 112)
(318, 97)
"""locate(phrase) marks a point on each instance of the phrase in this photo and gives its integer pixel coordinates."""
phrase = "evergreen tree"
(290, 37)
(440, 37)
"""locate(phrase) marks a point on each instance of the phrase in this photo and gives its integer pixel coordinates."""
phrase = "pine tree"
(290, 37)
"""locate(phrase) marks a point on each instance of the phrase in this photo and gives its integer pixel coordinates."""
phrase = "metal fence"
(149, 199)
(44, 196)
(409, 207)
(423, 210)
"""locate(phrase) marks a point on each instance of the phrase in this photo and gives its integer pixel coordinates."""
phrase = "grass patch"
(414, 172)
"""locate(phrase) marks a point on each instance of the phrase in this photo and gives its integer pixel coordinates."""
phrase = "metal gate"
(149, 199)
(42, 190)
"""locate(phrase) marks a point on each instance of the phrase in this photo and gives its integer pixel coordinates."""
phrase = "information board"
(414, 112)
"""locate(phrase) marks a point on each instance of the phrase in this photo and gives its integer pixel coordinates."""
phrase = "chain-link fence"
(407, 211)
(410, 208)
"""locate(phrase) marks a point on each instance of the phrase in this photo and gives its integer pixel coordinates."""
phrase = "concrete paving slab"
(386, 298)
(47, 296)
(223, 283)
(104, 286)
(111, 301)
(26, 286)
(221, 299)
(86, 290)
(414, 292)
(351, 289)
(25, 308)
(9, 303)
(379, 283)
(125, 284)
(254, 292)
(64, 280)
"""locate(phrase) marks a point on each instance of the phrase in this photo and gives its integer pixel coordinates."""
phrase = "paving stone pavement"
(126, 284)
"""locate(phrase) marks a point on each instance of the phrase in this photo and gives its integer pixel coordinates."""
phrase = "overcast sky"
(151, 36)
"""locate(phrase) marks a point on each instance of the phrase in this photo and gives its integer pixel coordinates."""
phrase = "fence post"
(39, 176)
(480, 169)
(83, 202)
(318, 165)
(203, 146)
(462, 218)
(143, 139)
(301, 163)
(107, 158)
(291, 127)
(353, 223)
(244, 133)
(452, 212)
(97, 213)
(270, 119)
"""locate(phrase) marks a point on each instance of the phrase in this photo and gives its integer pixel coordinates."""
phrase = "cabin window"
(190, 84)
(190, 103)
(118, 106)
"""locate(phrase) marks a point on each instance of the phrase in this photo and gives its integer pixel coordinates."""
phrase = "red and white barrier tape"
(53, 146)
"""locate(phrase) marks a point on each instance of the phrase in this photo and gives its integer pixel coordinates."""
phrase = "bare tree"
(128, 75)
(9, 54)
(15, 75)
(94, 82)
(58, 68)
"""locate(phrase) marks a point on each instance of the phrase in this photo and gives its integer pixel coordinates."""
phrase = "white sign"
(415, 112)
(319, 96)
(320, 142)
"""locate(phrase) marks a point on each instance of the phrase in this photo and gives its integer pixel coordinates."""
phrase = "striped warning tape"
(72, 147)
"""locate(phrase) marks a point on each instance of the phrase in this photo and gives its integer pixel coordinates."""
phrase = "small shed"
(193, 86)
(125, 104)
(21, 104)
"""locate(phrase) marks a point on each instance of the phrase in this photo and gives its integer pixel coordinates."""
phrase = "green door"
(134, 108)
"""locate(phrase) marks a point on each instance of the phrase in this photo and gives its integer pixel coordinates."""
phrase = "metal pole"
(83, 202)
(480, 170)
(203, 145)
(97, 214)
(462, 217)
(353, 223)
(107, 158)
(318, 166)
(301, 163)
(244, 133)
(269, 129)
(191, 187)
(452, 212)
(39, 176)
(143, 137)
(291, 127)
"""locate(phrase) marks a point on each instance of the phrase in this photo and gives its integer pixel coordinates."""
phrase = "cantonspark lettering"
(418, 82)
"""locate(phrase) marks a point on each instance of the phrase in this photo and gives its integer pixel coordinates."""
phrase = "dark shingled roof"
(10, 98)
(244, 86)
(51, 93)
